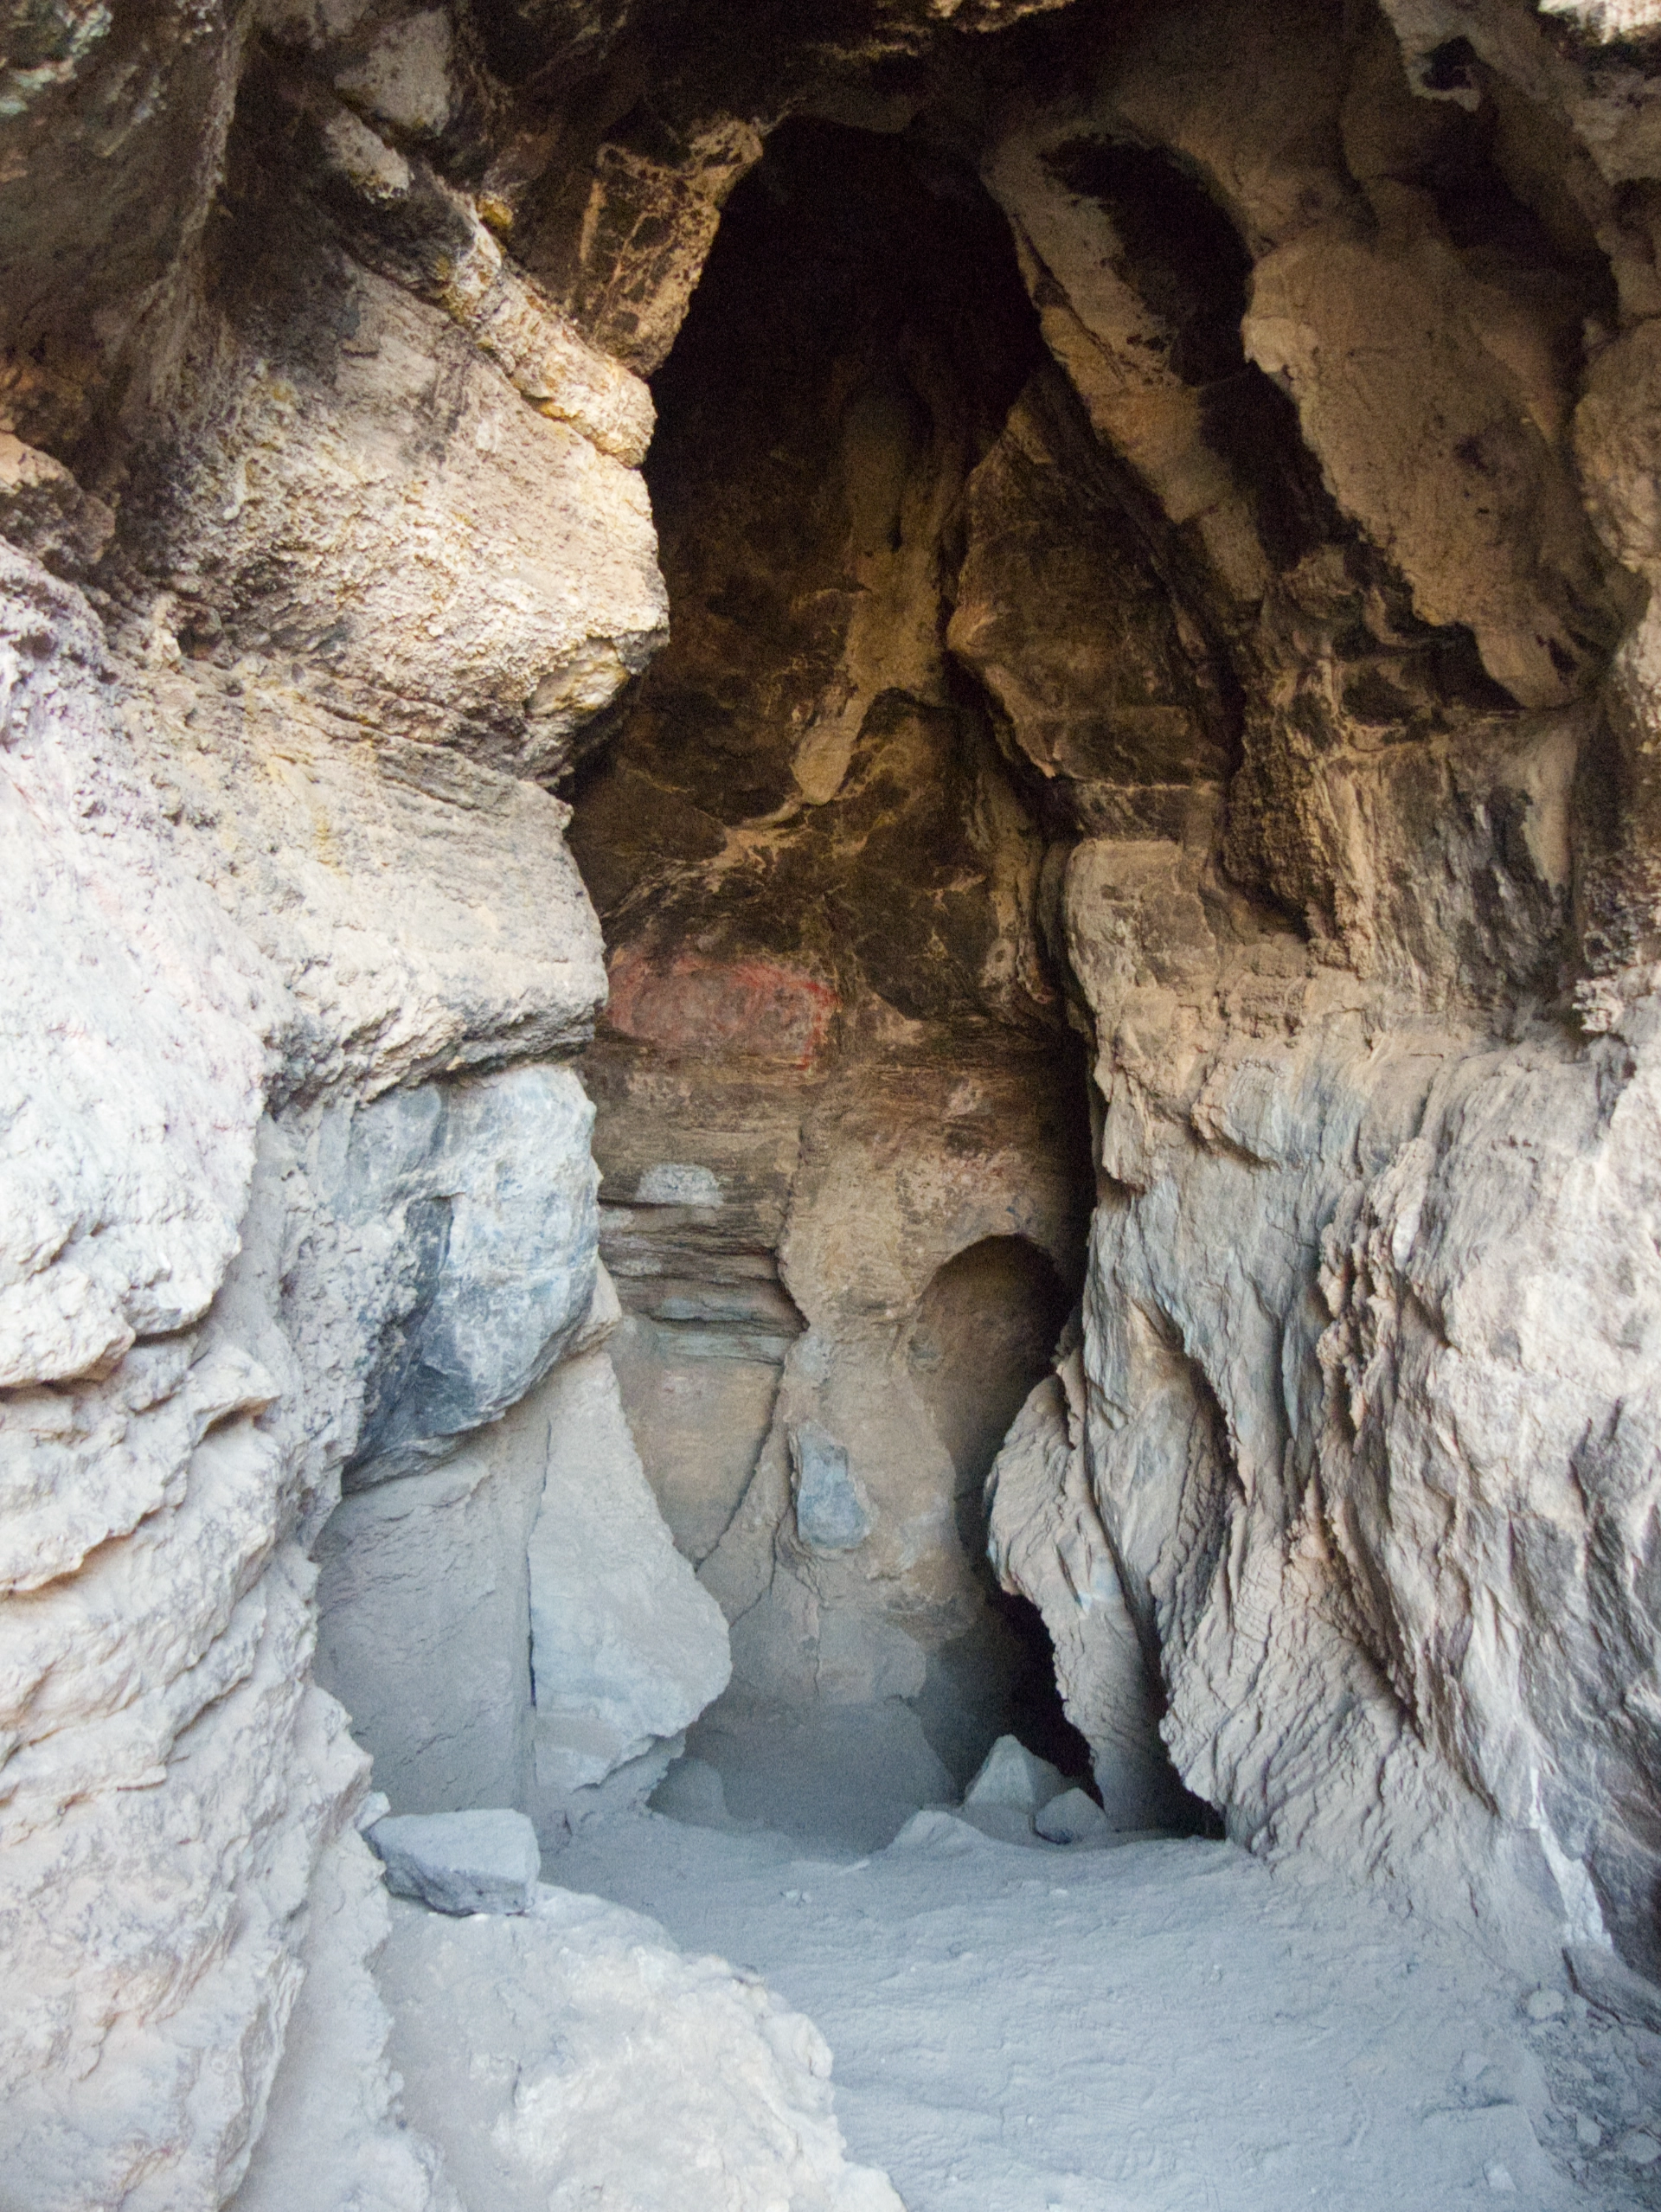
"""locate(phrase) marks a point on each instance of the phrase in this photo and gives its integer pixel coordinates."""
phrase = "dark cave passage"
(838, 1013)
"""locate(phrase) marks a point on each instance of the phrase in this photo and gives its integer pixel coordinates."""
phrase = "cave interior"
(836, 1053)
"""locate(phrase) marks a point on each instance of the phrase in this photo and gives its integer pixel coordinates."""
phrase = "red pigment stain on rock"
(706, 1008)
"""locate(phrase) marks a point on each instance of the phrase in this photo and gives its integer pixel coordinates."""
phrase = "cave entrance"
(842, 1115)
(984, 1334)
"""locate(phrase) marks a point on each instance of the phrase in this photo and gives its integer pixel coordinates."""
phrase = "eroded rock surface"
(248, 904)
(1286, 568)
(1159, 516)
(603, 2060)
(830, 1000)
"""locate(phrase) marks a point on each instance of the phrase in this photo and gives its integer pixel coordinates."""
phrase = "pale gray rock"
(482, 1195)
(249, 899)
(480, 1861)
(935, 1830)
(424, 1616)
(1073, 1816)
(286, 824)
(331, 2133)
(633, 2072)
(233, 889)
(424, 1621)
(627, 1647)
(132, 1069)
(832, 1515)
(162, 1754)
(1606, 1981)
(1045, 1541)
(1012, 1775)
(1389, 1163)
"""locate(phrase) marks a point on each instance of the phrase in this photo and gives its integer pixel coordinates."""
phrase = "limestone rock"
(45, 511)
(635, 2073)
(626, 1649)
(481, 1194)
(1051, 550)
(1270, 710)
(425, 1608)
(287, 808)
(331, 2130)
(1047, 1540)
(1012, 1775)
(935, 1830)
(830, 1513)
(1517, 563)
(424, 1621)
(160, 1740)
(472, 1861)
(300, 495)
(114, 129)
(1073, 1817)
(673, 1182)
(122, 1194)
(625, 252)
(1606, 1981)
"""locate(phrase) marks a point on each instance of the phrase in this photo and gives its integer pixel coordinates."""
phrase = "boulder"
(482, 1861)
(1072, 1818)
(627, 1648)
(574, 2057)
(1012, 1775)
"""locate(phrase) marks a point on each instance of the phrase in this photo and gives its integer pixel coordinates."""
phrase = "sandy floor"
(1158, 2026)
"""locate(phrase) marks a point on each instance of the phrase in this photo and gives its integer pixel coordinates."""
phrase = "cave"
(803, 839)
(827, 1335)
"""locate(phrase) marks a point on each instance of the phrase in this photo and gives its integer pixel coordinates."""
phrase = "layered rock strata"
(840, 1115)
(298, 1175)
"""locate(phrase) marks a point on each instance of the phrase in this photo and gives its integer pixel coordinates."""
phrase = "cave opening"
(841, 1114)
(1126, 1075)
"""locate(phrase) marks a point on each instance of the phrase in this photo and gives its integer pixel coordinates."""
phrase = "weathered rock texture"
(1159, 512)
(840, 1117)
(1289, 554)
(602, 2063)
(295, 1180)
(1360, 1349)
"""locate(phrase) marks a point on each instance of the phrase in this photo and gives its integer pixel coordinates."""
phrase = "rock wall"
(298, 1181)
(1297, 582)
(1353, 1368)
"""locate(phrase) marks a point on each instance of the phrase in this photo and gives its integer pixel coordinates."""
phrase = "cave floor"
(1157, 2024)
